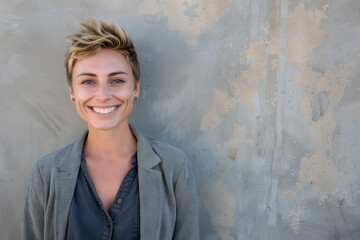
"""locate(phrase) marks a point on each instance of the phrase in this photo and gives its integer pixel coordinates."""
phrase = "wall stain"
(317, 168)
(239, 136)
(323, 92)
(258, 54)
(224, 170)
(220, 203)
(304, 33)
(295, 221)
(244, 88)
(317, 171)
(289, 195)
(191, 17)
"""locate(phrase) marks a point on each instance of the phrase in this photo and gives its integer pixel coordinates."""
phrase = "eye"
(118, 81)
(87, 82)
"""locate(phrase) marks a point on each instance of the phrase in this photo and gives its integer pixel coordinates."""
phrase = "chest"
(107, 177)
(88, 218)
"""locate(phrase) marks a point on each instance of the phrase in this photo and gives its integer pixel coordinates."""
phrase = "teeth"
(104, 110)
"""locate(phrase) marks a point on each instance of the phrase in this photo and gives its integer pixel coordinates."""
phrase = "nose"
(103, 92)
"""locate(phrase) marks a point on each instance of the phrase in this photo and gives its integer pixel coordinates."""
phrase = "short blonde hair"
(95, 35)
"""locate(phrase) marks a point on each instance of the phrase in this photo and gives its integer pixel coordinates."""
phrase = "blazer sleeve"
(186, 225)
(33, 221)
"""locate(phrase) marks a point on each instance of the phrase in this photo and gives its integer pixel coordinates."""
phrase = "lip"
(104, 107)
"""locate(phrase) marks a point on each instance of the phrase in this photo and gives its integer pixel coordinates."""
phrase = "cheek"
(83, 94)
(124, 94)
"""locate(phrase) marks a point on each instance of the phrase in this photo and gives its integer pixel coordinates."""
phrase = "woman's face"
(103, 87)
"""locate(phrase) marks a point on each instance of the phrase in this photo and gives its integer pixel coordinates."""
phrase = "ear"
(71, 92)
(137, 88)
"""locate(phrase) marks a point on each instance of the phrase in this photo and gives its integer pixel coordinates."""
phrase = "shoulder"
(61, 159)
(166, 150)
(52, 159)
(173, 159)
(45, 168)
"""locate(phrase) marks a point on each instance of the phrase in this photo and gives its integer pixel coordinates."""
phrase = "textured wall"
(262, 95)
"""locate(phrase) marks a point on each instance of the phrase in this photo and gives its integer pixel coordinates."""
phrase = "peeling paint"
(323, 92)
(224, 170)
(192, 17)
(295, 221)
(288, 195)
(220, 105)
(239, 136)
(246, 85)
(220, 204)
(304, 33)
(333, 84)
(317, 171)
(273, 33)
(244, 88)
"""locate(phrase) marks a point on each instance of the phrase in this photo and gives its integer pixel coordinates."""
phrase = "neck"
(110, 144)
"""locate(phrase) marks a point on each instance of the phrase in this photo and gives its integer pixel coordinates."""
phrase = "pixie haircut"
(94, 36)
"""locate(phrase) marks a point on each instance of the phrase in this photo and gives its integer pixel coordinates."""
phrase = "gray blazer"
(167, 192)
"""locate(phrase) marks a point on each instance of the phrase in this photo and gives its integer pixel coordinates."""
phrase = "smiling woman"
(112, 182)
(104, 88)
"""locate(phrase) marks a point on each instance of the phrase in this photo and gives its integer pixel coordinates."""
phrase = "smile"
(104, 110)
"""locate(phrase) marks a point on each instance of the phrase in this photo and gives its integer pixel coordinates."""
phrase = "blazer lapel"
(150, 189)
(65, 182)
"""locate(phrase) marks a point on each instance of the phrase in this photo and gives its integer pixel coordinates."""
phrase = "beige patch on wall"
(291, 195)
(220, 203)
(239, 136)
(206, 13)
(273, 33)
(243, 90)
(220, 105)
(224, 169)
(258, 54)
(295, 221)
(322, 93)
(304, 33)
(317, 171)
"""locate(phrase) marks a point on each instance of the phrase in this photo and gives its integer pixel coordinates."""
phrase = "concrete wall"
(262, 95)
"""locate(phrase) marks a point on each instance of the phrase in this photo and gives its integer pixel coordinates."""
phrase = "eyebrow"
(94, 75)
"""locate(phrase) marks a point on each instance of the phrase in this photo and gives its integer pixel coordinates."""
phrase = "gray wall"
(262, 95)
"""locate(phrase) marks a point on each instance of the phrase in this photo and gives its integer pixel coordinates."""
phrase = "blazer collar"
(147, 158)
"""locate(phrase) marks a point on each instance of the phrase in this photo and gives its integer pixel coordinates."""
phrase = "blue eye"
(118, 81)
(87, 82)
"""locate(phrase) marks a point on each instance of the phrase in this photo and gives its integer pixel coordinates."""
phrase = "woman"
(112, 182)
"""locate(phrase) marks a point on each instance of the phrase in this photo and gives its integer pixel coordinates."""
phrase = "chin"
(102, 126)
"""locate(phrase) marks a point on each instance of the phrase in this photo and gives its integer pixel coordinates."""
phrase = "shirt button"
(108, 223)
(119, 200)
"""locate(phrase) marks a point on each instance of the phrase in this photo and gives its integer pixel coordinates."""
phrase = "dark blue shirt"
(88, 218)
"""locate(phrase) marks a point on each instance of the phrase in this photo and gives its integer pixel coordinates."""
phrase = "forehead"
(104, 62)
